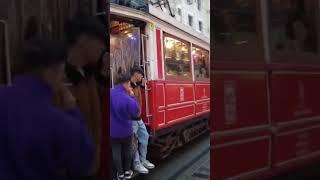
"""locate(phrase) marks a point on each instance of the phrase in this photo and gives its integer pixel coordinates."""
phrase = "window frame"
(175, 77)
(249, 52)
(179, 12)
(279, 57)
(209, 70)
(189, 20)
(200, 29)
(199, 5)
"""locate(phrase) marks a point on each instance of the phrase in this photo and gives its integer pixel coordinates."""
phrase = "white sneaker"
(140, 168)
(120, 176)
(128, 174)
(148, 164)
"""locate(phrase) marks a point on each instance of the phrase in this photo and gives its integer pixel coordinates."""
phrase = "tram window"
(293, 25)
(177, 57)
(235, 23)
(201, 63)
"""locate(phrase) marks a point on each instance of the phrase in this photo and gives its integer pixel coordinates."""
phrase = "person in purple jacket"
(39, 141)
(123, 108)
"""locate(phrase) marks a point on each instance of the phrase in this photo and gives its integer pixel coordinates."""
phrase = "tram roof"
(160, 18)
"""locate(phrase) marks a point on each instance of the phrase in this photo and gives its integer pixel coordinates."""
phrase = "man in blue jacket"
(123, 108)
(39, 141)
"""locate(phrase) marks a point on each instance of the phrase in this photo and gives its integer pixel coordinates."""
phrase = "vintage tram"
(175, 59)
(266, 86)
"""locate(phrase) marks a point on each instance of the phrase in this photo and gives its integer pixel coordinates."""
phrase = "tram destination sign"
(117, 26)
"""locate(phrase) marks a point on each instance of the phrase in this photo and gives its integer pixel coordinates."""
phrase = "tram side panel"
(296, 113)
(240, 129)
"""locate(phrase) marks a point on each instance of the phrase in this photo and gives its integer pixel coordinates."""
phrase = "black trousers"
(122, 154)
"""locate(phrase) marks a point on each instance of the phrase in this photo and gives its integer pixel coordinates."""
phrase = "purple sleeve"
(77, 150)
(133, 107)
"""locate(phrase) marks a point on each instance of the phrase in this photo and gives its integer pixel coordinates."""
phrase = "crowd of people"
(128, 133)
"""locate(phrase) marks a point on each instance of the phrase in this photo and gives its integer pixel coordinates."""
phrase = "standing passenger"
(39, 140)
(140, 162)
(123, 108)
(86, 37)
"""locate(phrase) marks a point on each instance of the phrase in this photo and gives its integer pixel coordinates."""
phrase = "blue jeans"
(140, 130)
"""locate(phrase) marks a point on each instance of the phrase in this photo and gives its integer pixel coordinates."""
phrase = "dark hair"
(42, 53)
(84, 24)
(136, 69)
(123, 78)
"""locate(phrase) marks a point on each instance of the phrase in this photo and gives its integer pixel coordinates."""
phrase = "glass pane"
(124, 49)
(292, 25)
(177, 57)
(201, 63)
(235, 22)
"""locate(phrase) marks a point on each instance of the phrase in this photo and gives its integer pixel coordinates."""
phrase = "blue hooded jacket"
(123, 108)
(37, 140)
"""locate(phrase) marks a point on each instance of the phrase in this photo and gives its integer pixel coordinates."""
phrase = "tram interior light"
(169, 44)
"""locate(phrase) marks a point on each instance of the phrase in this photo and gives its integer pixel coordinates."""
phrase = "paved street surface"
(191, 162)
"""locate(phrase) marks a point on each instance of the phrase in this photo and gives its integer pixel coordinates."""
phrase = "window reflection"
(293, 25)
(235, 22)
(201, 63)
(177, 57)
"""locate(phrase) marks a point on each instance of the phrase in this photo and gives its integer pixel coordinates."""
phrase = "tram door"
(124, 52)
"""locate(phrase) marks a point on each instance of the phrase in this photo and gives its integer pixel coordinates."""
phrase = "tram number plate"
(230, 103)
(181, 94)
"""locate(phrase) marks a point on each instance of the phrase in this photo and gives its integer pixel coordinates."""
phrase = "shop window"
(235, 22)
(201, 63)
(293, 26)
(177, 57)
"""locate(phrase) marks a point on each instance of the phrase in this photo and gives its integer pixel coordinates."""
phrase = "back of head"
(85, 25)
(122, 79)
(136, 69)
(42, 53)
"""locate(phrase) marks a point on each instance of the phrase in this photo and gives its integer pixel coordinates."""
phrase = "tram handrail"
(7, 51)
(146, 76)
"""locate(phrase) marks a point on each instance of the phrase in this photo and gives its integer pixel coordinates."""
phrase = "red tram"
(176, 64)
(266, 117)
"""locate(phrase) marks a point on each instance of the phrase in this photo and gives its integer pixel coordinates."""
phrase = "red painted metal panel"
(296, 144)
(159, 53)
(299, 93)
(202, 107)
(179, 93)
(240, 100)
(180, 113)
(241, 157)
(174, 102)
(202, 91)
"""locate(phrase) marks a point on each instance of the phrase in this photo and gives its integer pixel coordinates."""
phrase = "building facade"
(193, 13)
